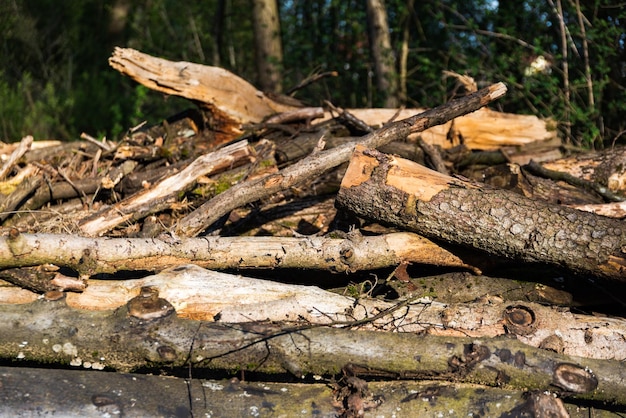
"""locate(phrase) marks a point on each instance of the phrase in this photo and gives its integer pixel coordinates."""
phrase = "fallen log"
(400, 192)
(78, 393)
(230, 99)
(200, 294)
(125, 340)
(233, 102)
(89, 256)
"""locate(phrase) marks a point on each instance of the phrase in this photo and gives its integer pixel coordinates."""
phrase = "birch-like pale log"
(202, 294)
(165, 192)
(90, 256)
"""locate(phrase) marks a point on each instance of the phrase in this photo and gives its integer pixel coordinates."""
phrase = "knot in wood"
(574, 378)
(148, 305)
(167, 353)
(520, 320)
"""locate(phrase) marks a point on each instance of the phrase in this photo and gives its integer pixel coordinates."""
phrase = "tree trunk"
(384, 60)
(268, 48)
(405, 194)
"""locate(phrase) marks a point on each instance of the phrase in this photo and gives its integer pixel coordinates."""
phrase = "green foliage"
(55, 81)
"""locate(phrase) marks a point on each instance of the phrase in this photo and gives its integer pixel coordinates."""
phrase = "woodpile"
(447, 251)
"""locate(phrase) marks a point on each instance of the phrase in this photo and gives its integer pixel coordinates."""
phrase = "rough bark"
(120, 341)
(90, 256)
(405, 194)
(380, 42)
(313, 166)
(268, 46)
(28, 392)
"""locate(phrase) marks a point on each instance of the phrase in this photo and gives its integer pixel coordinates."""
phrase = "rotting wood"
(119, 341)
(313, 166)
(90, 256)
(387, 189)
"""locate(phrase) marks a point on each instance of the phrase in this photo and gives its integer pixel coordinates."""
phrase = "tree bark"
(268, 47)
(405, 194)
(119, 340)
(384, 60)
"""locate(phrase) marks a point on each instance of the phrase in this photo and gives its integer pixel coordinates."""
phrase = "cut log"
(400, 192)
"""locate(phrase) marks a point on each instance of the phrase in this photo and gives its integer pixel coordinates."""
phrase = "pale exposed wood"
(201, 294)
(106, 255)
(234, 102)
(21, 149)
(313, 166)
(231, 99)
(610, 210)
(606, 167)
(408, 195)
(483, 129)
(164, 193)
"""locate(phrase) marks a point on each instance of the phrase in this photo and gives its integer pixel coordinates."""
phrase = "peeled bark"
(405, 194)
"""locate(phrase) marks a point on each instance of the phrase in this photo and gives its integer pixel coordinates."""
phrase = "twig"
(21, 149)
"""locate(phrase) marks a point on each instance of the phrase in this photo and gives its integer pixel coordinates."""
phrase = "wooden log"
(120, 340)
(484, 129)
(90, 256)
(405, 194)
(231, 100)
(200, 294)
(86, 393)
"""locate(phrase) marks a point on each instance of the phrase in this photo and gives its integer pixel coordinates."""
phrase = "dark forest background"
(55, 81)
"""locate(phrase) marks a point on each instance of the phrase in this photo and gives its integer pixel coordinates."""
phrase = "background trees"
(55, 81)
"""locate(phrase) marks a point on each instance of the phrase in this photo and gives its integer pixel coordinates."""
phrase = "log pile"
(258, 238)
